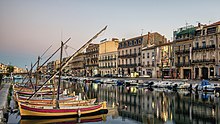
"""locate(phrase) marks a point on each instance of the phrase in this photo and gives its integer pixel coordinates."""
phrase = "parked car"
(97, 75)
(108, 75)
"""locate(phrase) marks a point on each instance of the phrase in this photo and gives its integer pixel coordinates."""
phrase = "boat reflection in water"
(96, 118)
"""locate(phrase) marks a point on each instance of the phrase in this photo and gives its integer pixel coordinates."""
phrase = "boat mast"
(60, 72)
(69, 59)
(37, 73)
(45, 61)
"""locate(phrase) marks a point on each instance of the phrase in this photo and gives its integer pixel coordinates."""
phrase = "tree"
(10, 69)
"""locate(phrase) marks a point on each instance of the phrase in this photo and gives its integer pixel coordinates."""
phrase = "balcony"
(207, 47)
(204, 61)
(128, 55)
(109, 59)
(107, 66)
(183, 64)
(127, 65)
(182, 52)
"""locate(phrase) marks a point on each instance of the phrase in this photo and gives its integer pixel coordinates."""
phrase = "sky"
(29, 27)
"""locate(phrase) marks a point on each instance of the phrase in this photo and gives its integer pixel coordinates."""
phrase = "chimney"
(199, 24)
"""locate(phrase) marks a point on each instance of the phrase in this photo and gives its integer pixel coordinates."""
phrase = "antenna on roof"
(142, 31)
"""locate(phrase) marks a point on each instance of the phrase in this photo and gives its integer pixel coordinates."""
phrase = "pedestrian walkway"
(3, 100)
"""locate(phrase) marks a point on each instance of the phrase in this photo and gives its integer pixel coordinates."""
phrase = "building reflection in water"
(155, 106)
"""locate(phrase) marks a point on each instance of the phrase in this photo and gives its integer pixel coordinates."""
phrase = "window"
(197, 44)
(143, 55)
(126, 52)
(143, 72)
(152, 63)
(211, 71)
(203, 32)
(148, 55)
(134, 60)
(204, 55)
(203, 44)
(211, 42)
(122, 52)
(130, 43)
(135, 42)
(178, 60)
(139, 50)
(130, 51)
(122, 61)
(184, 47)
(148, 63)
(184, 58)
(179, 48)
(139, 60)
(134, 50)
(130, 61)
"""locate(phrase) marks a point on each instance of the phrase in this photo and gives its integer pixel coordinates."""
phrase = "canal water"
(140, 105)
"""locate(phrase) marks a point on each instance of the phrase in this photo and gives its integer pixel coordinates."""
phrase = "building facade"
(77, 65)
(151, 49)
(206, 56)
(91, 59)
(108, 54)
(183, 38)
(129, 56)
(53, 66)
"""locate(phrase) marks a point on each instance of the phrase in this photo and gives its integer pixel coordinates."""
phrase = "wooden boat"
(31, 111)
(95, 118)
(62, 103)
(41, 100)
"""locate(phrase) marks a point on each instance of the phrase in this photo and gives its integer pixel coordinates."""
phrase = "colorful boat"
(32, 111)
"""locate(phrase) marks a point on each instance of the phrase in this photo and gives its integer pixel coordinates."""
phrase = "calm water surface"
(140, 105)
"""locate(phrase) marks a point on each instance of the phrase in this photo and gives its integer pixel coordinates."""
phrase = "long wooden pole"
(60, 72)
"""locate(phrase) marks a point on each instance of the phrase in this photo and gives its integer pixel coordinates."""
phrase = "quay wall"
(4, 92)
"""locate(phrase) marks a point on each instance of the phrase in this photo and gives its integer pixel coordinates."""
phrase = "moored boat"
(31, 111)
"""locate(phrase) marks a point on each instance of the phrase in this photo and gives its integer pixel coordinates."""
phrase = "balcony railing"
(183, 64)
(207, 47)
(204, 61)
(107, 66)
(128, 55)
(109, 59)
(127, 65)
(182, 52)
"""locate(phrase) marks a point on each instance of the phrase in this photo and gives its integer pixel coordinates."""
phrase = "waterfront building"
(3, 68)
(53, 66)
(182, 44)
(108, 54)
(129, 56)
(77, 64)
(206, 54)
(18, 70)
(43, 69)
(164, 60)
(151, 49)
(91, 59)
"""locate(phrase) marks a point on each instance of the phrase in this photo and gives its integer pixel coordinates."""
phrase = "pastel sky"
(29, 27)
